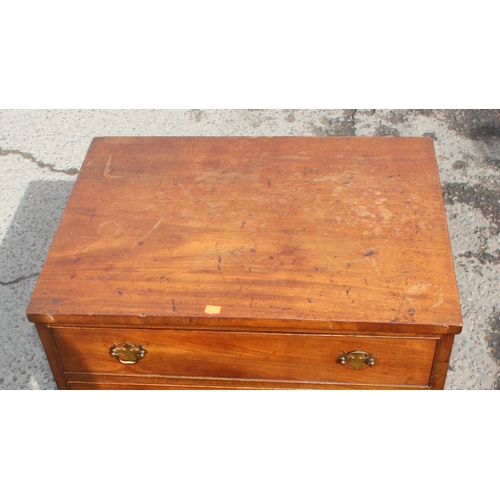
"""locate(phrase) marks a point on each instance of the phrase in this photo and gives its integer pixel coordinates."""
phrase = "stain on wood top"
(324, 233)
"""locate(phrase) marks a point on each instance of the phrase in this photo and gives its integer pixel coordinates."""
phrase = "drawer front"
(192, 384)
(94, 386)
(246, 355)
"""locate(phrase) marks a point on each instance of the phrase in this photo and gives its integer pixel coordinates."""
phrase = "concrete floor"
(41, 152)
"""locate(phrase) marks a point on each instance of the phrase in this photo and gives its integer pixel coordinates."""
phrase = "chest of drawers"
(251, 262)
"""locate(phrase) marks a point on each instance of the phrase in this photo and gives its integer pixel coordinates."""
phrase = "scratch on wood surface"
(415, 293)
(400, 306)
(141, 240)
(108, 171)
(108, 229)
(290, 157)
(419, 289)
(105, 231)
(374, 263)
(84, 248)
(439, 301)
(310, 239)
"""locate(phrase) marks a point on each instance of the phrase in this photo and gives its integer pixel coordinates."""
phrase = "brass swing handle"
(127, 353)
(356, 359)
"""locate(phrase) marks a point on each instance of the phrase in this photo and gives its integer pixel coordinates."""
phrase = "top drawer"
(248, 355)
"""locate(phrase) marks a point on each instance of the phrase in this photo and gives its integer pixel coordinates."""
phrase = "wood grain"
(200, 384)
(248, 355)
(442, 361)
(290, 233)
(53, 356)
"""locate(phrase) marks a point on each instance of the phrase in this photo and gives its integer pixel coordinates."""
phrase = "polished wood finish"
(240, 355)
(253, 257)
(442, 361)
(53, 355)
(199, 384)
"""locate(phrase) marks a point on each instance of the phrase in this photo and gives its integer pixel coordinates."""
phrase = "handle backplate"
(356, 359)
(127, 353)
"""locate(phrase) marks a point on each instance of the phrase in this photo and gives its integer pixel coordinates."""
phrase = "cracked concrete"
(18, 280)
(41, 164)
(41, 151)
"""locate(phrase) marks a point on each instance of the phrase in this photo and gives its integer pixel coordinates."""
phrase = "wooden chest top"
(288, 233)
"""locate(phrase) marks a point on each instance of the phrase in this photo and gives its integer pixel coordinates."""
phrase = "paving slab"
(41, 152)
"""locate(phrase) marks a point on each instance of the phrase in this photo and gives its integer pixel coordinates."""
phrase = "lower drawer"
(248, 355)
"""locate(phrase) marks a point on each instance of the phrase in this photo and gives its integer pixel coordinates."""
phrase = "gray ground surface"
(41, 152)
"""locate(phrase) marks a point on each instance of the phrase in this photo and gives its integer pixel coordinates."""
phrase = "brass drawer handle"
(356, 359)
(127, 353)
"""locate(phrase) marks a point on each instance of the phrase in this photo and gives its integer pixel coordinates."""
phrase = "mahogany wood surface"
(251, 262)
(132, 381)
(103, 386)
(240, 355)
(53, 356)
(291, 233)
(442, 361)
(223, 385)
